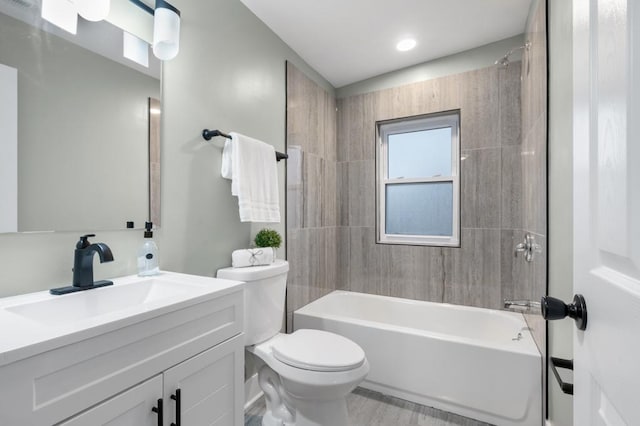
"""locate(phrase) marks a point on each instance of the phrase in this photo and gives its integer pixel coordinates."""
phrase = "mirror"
(75, 126)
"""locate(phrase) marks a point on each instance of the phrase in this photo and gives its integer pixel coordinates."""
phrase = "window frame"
(407, 125)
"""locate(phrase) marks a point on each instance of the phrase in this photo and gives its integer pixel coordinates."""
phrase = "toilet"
(305, 376)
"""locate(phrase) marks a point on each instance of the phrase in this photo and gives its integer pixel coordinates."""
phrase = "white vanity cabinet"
(113, 369)
(203, 390)
(131, 408)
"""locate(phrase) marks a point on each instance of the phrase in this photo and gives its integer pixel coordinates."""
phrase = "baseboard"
(252, 391)
(548, 423)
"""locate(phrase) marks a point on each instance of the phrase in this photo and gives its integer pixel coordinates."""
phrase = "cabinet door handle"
(176, 397)
(158, 410)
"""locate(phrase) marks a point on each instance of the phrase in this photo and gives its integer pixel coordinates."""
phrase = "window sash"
(385, 129)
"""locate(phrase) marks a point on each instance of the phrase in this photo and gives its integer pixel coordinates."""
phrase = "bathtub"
(479, 363)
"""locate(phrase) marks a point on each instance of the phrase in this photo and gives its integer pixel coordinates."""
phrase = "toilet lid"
(318, 350)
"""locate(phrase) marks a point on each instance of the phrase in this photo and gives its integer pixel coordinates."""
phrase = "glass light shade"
(61, 13)
(93, 10)
(166, 31)
(135, 49)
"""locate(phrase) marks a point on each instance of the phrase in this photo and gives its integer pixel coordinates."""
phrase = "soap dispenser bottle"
(148, 254)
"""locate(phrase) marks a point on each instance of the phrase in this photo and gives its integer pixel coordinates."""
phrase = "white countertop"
(26, 329)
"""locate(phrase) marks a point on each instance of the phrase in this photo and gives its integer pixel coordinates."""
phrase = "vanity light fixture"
(166, 28)
(166, 31)
(93, 10)
(406, 44)
(135, 49)
(61, 13)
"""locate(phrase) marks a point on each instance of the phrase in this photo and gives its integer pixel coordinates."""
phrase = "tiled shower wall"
(311, 191)
(489, 104)
(331, 241)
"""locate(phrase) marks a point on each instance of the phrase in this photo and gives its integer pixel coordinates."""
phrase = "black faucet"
(83, 266)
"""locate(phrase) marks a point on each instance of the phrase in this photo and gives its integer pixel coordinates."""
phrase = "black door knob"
(553, 309)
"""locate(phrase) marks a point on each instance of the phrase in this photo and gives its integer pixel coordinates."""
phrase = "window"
(418, 181)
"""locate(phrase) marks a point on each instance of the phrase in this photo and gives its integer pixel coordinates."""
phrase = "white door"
(607, 210)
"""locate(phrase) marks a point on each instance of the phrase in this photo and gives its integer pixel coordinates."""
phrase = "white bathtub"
(455, 358)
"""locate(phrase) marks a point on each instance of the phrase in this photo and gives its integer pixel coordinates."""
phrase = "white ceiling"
(351, 40)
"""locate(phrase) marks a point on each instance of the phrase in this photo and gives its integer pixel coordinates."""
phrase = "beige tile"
(331, 260)
(473, 270)
(329, 193)
(481, 188)
(361, 180)
(313, 191)
(342, 129)
(510, 109)
(362, 260)
(359, 127)
(342, 193)
(331, 128)
(511, 187)
(480, 114)
(343, 262)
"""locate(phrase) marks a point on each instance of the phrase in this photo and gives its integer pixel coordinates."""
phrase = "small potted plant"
(268, 238)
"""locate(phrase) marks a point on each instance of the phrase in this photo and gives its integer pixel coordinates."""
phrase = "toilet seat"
(318, 350)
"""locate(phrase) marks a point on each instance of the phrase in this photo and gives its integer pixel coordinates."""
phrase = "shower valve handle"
(554, 309)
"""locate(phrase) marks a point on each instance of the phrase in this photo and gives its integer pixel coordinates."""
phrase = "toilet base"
(321, 413)
(283, 409)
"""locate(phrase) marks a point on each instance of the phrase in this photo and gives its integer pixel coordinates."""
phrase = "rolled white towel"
(252, 257)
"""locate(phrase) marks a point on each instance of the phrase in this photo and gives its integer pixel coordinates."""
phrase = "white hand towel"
(254, 179)
(227, 152)
(252, 257)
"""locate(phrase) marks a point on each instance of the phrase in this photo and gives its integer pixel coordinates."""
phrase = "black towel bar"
(208, 134)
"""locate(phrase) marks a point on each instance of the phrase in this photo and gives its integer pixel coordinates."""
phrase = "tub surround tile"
(510, 107)
(342, 193)
(481, 188)
(480, 115)
(473, 271)
(420, 270)
(329, 208)
(356, 128)
(313, 191)
(340, 181)
(511, 197)
(361, 181)
(331, 128)
(362, 259)
(330, 282)
(343, 262)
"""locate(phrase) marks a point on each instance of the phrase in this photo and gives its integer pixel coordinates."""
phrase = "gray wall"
(560, 194)
(469, 60)
(230, 74)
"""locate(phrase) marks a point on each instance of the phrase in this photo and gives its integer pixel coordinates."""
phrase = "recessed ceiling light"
(406, 44)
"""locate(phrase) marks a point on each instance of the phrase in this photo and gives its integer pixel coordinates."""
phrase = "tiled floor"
(368, 408)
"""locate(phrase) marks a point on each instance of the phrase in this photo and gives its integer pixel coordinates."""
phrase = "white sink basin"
(37, 322)
(60, 310)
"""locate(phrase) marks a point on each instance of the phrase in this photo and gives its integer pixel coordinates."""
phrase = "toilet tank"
(264, 297)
